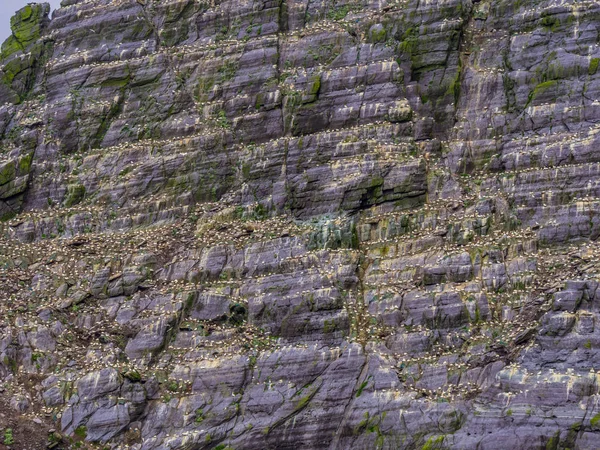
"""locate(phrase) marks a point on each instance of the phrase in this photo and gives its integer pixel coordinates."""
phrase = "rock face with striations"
(303, 225)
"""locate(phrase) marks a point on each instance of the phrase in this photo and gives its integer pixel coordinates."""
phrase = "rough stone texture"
(294, 224)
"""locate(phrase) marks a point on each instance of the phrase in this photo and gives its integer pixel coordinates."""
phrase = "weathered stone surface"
(260, 225)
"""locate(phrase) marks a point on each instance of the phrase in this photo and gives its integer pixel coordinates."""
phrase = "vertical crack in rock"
(347, 409)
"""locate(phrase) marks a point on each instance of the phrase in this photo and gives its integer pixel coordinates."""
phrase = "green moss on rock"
(377, 33)
(26, 26)
(593, 68)
(18, 74)
(553, 442)
(315, 85)
(75, 195)
(433, 443)
(338, 13)
(116, 82)
(8, 173)
(540, 89)
(550, 23)
(80, 432)
(25, 163)
(8, 216)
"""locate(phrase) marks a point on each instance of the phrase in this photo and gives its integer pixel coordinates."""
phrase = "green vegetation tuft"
(338, 13)
(75, 195)
(377, 34)
(433, 443)
(223, 447)
(81, 432)
(362, 386)
(550, 23)
(329, 326)
(227, 71)
(410, 41)
(8, 437)
(593, 68)
(222, 121)
(133, 375)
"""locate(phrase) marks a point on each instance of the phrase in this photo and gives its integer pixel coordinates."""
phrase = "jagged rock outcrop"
(302, 225)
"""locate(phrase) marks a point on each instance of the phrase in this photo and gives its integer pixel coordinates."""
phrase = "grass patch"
(8, 437)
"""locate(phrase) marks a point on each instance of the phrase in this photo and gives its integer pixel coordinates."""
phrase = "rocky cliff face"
(294, 224)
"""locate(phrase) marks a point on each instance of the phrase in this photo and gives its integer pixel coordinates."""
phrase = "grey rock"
(302, 225)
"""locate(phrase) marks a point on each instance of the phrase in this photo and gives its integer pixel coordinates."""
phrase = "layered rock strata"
(303, 225)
